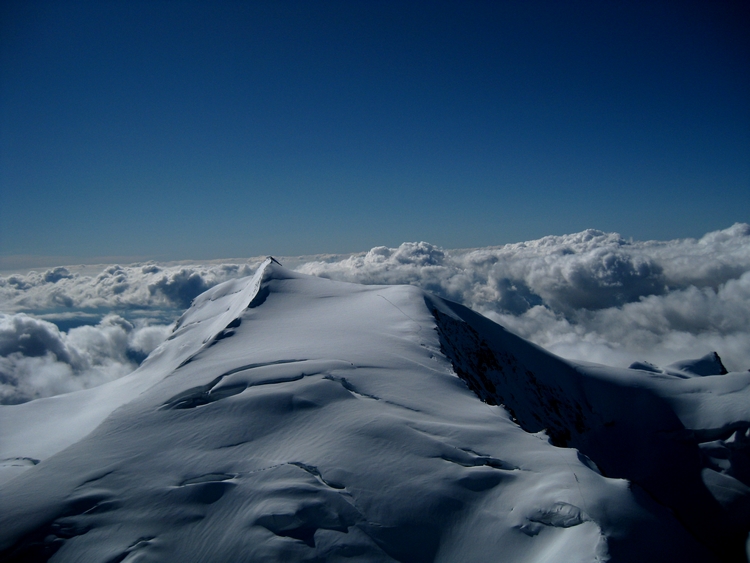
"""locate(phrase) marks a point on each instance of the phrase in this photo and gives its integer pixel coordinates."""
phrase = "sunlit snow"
(296, 418)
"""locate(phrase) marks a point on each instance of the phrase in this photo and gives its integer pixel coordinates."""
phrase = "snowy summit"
(295, 418)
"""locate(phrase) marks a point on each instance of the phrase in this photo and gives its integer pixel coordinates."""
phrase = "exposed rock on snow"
(293, 418)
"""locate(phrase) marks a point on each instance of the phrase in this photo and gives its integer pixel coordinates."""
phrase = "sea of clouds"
(590, 296)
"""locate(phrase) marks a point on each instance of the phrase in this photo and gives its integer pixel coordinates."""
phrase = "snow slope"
(294, 418)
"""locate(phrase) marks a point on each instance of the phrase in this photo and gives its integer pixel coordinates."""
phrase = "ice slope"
(683, 438)
(293, 418)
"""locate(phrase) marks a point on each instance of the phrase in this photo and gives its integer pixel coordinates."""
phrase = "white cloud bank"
(589, 296)
(37, 360)
(147, 286)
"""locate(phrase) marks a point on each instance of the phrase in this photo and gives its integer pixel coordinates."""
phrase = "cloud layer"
(591, 296)
(37, 360)
(138, 286)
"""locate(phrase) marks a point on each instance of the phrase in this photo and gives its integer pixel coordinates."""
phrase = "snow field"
(293, 418)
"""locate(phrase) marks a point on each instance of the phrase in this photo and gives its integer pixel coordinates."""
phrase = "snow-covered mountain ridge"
(294, 418)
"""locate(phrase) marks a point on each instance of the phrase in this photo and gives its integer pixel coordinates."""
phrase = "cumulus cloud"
(590, 296)
(138, 286)
(181, 287)
(38, 360)
(57, 274)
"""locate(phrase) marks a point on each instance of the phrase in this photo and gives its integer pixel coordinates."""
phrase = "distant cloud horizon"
(590, 296)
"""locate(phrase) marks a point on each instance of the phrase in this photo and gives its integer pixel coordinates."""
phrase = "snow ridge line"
(247, 299)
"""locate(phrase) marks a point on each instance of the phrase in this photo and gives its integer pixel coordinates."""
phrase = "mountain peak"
(293, 418)
(710, 364)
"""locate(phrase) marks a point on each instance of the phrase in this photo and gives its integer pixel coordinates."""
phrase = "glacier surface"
(295, 418)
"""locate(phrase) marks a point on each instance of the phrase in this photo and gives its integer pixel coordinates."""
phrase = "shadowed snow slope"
(293, 418)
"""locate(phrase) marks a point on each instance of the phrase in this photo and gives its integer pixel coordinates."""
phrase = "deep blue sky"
(179, 129)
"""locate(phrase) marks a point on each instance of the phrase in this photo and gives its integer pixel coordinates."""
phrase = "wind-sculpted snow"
(294, 418)
(592, 296)
(660, 443)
